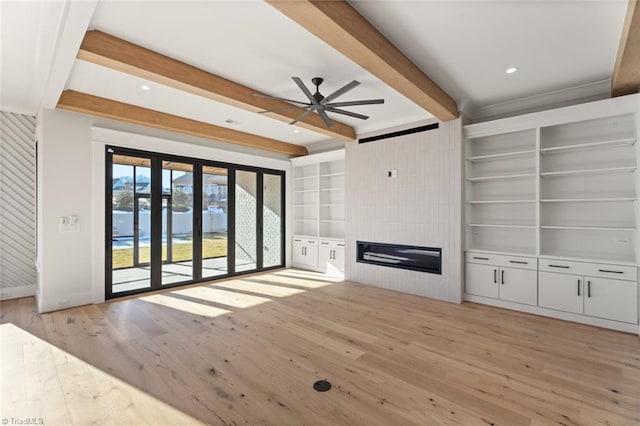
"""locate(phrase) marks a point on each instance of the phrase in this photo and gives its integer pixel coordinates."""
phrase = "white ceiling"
(28, 36)
(464, 46)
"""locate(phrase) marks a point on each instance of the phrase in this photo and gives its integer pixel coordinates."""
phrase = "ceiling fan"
(320, 104)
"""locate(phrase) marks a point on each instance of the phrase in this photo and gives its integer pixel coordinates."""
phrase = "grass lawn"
(213, 245)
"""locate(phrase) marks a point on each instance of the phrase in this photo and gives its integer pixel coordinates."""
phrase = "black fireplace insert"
(415, 258)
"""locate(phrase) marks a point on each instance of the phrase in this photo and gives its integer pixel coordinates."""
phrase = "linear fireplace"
(423, 259)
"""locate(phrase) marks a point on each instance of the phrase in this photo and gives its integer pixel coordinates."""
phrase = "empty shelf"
(501, 155)
(589, 228)
(585, 200)
(501, 226)
(332, 174)
(590, 145)
(305, 177)
(501, 201)
(485, 178)
(591, 171)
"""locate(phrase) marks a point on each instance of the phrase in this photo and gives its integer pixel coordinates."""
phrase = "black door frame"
(156, 225)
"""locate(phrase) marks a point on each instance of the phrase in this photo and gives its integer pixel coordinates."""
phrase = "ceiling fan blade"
(301, 116)
(344, 89)
(260, 95)
(349, 113)
(325, 118)
(278, 109)
(355, 103)
(304, 89)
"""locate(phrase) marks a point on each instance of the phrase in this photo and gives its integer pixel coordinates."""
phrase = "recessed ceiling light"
(145, 87)
(296, 131)
(511, 70)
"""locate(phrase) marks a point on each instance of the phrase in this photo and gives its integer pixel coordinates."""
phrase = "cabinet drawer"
(519, 262)
(306, 241)
(603, 270)
(332, 243)
(473, 257)
(616, 272)
(564, 266)
(502, 260)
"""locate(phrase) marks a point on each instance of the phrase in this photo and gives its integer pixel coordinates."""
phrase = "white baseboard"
(536, 310)
(64, 302)
(17, 292)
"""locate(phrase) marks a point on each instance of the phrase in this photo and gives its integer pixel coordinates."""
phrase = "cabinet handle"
(519, 262)
(333, 253)
(578, 287)
(502, 276)
(495, 279)
(480, 258)
(610, 272)
(559, 266)
(588, 288)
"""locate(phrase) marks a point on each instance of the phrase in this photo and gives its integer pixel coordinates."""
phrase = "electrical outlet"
(5, 295)
(624, 241)
(392, 173)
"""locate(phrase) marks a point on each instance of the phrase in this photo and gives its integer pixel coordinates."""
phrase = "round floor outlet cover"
(322, 386)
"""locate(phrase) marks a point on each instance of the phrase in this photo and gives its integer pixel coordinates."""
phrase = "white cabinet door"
(305, 255)
(561, 292)
(311, 256)
(331, 260)
(611, 299)
(337, 261)
(481, 280)
(298, 257)
(519, 285)
(324, 258)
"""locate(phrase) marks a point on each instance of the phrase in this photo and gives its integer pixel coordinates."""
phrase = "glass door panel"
(246, 224)
(130, 223)
(272, 220)
(177, 222)
(214, 221)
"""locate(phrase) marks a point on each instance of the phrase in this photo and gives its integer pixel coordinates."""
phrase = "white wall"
(71, 160)
(422, 206)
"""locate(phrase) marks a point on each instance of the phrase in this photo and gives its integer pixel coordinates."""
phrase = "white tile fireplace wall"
(420, 206)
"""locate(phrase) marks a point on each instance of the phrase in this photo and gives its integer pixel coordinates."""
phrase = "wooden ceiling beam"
(338, 24)
(626, 73)
(107, 108)
(120, 55)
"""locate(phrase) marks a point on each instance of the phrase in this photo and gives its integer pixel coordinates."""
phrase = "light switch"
(392, 173)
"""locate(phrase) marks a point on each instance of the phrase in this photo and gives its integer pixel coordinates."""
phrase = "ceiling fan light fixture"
(511, 70)
(322, 104)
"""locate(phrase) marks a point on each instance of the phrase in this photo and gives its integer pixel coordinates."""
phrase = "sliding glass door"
(272, 220)
(215, 219)
(175, 220)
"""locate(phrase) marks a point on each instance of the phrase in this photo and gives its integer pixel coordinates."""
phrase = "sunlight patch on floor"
(223, 297)
(41, 381)
(260, 288)
(185, 305)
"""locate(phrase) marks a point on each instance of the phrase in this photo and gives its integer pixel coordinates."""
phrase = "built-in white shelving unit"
(319, 183)
(563, 185)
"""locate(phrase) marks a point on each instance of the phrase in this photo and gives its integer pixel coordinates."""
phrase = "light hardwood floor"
(247, 351)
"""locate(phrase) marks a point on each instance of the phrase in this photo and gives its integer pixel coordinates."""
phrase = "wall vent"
(400, 133)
